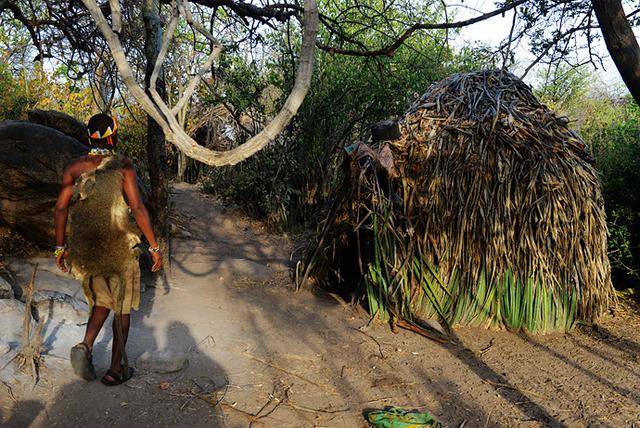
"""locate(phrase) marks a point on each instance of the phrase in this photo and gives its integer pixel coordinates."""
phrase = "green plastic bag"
(395, 417)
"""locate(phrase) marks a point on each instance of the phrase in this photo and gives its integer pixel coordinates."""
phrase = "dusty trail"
(298, 359)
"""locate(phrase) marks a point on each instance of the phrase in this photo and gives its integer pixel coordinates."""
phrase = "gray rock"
(4, 347)
(58, 338)
(25, 266)
(11, 316)
(62, 122)
(32, 160)
(59, 307)
(6, 291)
(48, 277)
(162, 361)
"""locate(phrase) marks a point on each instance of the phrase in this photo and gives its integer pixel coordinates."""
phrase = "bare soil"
(263, 355)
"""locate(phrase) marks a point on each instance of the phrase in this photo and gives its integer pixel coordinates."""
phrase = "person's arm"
(140, 213)
(61, 214)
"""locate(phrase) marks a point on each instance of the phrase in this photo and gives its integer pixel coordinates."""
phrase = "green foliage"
(612, 128)
(36, 89)
(258, 184)
(565, 89)
(13, 99)
(288, 181)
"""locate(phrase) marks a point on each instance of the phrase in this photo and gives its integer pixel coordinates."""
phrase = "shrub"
(612, 128)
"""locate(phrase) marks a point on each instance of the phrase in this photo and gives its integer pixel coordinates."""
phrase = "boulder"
(48, 277)
(32, 160)
(62, 122)
(57, 296)
(59, 307)
(6, 291)
(4, 347)
(162, 361)
(11, 316)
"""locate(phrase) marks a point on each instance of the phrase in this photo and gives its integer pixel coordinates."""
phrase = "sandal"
(117, 378)
(81, 362)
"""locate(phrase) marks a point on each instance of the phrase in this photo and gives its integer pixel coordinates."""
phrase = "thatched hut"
(485, 210)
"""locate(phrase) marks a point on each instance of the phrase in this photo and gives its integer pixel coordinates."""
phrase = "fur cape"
(103, 238)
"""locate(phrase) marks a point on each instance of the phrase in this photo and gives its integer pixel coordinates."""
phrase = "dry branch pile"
(488, 214)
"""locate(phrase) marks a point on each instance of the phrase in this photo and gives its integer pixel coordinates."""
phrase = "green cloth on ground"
(395, 417)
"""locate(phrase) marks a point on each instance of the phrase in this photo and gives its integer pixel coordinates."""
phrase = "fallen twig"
(486, 349)
(31, 346)
(312, 410)
(280, 369)
(253, 417)
(422, 332)
(207, 338)
(9, 390)
(372, 338)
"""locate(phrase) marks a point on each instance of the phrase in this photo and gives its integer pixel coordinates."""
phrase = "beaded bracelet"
(59, 250)
(154, 249)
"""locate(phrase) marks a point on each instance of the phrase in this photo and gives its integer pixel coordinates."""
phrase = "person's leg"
(81, 354)
(116, 350)
(98, 316)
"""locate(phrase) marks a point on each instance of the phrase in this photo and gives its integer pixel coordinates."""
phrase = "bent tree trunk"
(164, 115)
(621, 42)
(155, 147)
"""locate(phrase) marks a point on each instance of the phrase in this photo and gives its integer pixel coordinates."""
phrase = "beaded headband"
(97, 135)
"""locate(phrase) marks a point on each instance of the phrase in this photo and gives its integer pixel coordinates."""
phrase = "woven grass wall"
(486, 211)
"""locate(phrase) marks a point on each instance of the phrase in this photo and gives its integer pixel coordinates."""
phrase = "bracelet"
(154, 249)
(60, 249)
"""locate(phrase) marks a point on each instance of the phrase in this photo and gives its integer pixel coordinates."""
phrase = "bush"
(288, 181)
(612, 128)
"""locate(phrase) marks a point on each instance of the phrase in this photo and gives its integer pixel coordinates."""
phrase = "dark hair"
(100, 122)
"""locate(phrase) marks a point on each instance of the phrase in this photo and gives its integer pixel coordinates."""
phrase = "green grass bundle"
(486, 211)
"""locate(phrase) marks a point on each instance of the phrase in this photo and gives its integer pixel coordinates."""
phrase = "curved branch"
(165, 118)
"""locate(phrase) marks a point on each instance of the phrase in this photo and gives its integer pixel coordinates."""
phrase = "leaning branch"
(279, 12)
(390, 49)
(216, 50)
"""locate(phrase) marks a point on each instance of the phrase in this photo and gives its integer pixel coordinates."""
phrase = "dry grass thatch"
(486, 211)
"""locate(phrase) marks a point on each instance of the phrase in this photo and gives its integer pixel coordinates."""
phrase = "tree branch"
(621, 42)
(17, 14)
(280, 12)
(160, 112)
(390, 49)
(116, 16)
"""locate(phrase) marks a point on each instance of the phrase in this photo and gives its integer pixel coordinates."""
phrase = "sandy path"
(298, 359)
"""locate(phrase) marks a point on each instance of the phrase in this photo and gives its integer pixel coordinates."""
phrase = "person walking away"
(100, 191)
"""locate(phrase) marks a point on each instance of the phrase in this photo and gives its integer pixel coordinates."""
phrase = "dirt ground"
(263, 355)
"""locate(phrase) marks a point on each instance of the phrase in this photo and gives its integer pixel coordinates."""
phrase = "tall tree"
(558, 31)
(155, 147)
(621, 42)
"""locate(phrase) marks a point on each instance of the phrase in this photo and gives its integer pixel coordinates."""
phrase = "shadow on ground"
(328, 365)
(187, 397)
(303, 359)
